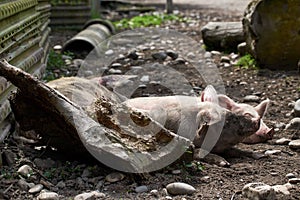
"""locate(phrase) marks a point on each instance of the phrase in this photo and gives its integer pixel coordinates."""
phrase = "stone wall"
(24, 42)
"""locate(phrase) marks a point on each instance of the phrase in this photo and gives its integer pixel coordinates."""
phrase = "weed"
(247, 62)
(146, 21)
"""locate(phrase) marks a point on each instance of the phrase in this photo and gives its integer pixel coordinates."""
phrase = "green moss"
(146, 21)
(247, 62)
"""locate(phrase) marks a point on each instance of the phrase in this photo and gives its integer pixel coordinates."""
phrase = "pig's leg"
(210, 158)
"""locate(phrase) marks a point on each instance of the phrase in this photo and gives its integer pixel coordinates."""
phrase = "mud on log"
(223, 35)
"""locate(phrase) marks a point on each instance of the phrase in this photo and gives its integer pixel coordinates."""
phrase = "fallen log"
(272, 32)
(223, 35)
(68, 127)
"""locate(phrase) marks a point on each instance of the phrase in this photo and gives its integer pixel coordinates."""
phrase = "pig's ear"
(261, 108)
(209, 94)
(226, 102)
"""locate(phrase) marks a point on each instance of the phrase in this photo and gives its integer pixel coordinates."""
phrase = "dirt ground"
(212, 182)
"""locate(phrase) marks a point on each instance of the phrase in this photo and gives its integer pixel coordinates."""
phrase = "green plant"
(146, 21)
(247, 62)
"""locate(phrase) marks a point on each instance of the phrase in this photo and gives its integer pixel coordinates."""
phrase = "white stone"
(225, 59)
(179, 188)
(282, 141)
(109, 52)
(35, 189)
(290, 175)
(297, 108)
(272, 152)
(145, 78)
(258, 191)
(293, 124)
(294, 144)
(89, 195)
(281, 189)
(57, 47)
(294, 180)
(48, 196)
(25, 170)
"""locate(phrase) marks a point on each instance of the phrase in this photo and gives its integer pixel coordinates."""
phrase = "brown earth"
(212, 182)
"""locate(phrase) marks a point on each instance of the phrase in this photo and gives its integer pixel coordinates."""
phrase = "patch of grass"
(247, 62)
(146, 20)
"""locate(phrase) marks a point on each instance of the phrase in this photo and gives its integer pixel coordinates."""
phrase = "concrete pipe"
(93, 33)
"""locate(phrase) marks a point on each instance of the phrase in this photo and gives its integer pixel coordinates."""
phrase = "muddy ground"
(212, 182)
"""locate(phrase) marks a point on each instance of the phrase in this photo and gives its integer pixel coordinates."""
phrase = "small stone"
(109, 52)
(225, 59)
(86, 173)
(227, 65)
(168, 198)
(68, 62)
(154, 192)
(10, 157)
(243, 83)
(258, 191)
(161, 56)
(48, 196)
(145, 78)
(133, 55)
(176, 171)
(216, 53)
(242, 48)
(114, 177)
(35, 189)
(207, 54)
(61, 184)
(89, 195)
(282, 141)
(114, 71)
(234, 56)
(141, 189)
(116, 65)
(293, 124)
(297, 108)
(142, 86)
(251, 98)
(23, 185)
(57, 47)
(172, 54)
(25, 171)
(165, 192)
(294, 180)
(191, 55)
(290, 175)
(179, 188)
(272, 152)
(294, 144)
(281, 189)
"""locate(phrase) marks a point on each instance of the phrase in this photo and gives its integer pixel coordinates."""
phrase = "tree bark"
(272, 32)
(223, 35)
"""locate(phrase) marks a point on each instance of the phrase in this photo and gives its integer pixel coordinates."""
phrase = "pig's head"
(264, 133)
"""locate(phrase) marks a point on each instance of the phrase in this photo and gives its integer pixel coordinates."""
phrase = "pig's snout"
(263, 134)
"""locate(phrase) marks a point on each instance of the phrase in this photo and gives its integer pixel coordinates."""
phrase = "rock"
(25, 171)
(23, 185)
(9, 157)
(133, 55)
(290, 175)
(140, 189)
(35, 189)
(294, 124)
(172, 54)
(161, 56)
(44, 163)
(168, 198)
(294, 144)
(272, 152)
(57, 47)
(89, 195)
(234, 56)
(258, 191)
(294, 180)
(191, 55)
(142, 86)
(207, 54)
(297, 108)
(179, 188)
(282, 141)
(227, 65)
(116, 65)
(48, 196)
(216, 53)
(242, 48)
(114, 177)
(61, 184)
(225, 59)
(176, 171)
(114, 71)
(80, 183)
(154, 192)
(145, 78)
(109, 52)
(251, 98)
(281, 189)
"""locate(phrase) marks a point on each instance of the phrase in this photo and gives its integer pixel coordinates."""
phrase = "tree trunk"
(223, 35)
(272, 32)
